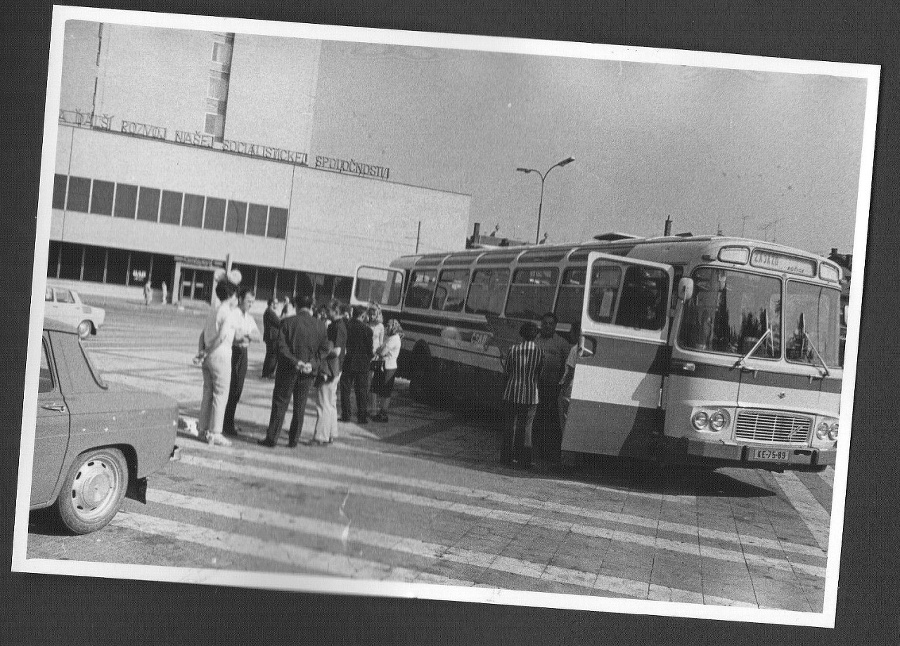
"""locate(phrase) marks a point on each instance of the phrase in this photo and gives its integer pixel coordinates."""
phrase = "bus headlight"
(719, 420)
(822, 430)
(700, 420)
(833, 432)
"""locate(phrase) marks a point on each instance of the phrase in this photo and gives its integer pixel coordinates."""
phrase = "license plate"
(769, 455)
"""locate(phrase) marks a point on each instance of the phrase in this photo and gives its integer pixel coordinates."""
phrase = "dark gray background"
(69, 610)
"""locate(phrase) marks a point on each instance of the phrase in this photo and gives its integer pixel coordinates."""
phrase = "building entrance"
(196, 284)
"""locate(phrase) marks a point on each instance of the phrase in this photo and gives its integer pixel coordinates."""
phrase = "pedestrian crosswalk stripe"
(370, 538)
(543, 505)
(828, 476)
(684, 547)
(813, 514)
(316, 560)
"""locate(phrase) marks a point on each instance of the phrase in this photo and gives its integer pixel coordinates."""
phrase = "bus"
(704, 350)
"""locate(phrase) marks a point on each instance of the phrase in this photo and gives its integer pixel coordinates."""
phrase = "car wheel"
(93, 490)
(85, 328)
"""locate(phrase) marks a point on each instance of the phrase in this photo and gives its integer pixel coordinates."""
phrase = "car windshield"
(812, 324)
(731, 311)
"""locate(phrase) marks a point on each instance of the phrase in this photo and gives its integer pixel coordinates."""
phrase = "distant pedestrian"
(147, 293)
(271, 322)
(522, 367)
(218, 333)
(355, 374)
(246, 333)
(302, 345)
(388, 351)
(165, 293)
(547, 432)
(326, 391)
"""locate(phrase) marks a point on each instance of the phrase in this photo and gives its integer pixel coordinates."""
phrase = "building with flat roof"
(178, 151)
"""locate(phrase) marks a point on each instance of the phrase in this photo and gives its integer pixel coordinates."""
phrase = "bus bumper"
(695, 452)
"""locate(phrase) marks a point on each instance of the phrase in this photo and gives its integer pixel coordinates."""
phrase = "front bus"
(745, 369)
(755, 373)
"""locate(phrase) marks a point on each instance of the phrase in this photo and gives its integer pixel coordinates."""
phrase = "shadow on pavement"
(627, 474)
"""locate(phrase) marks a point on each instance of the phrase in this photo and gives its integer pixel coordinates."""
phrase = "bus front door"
(616, 393)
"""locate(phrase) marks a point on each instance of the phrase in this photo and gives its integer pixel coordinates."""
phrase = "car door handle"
(57, 407)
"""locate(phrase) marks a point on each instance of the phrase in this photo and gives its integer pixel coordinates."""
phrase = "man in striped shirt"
(522, 366)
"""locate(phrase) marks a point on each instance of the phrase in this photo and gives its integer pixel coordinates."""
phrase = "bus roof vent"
(614, 235)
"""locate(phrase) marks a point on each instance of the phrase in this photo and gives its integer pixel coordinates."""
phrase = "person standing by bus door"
(522, 367)
(271, 321)
(548, 434)
(247, 332)
(568, 378)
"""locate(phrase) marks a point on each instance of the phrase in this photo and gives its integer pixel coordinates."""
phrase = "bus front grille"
(760, 426)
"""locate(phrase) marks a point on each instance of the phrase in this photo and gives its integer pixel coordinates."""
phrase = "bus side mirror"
(685, 289)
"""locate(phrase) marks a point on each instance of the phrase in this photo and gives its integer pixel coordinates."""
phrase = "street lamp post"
(543, 176)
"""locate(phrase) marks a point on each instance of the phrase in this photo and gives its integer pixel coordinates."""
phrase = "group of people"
(309, 351)
(539, 373)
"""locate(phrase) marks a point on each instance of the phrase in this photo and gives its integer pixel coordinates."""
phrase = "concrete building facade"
(180, 150)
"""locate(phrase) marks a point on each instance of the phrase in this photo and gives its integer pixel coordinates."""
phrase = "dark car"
(94, 442)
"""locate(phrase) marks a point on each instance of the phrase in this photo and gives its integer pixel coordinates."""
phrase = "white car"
(64, 304)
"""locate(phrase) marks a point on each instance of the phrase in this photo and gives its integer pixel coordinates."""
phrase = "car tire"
(85, 328)
(93, 490)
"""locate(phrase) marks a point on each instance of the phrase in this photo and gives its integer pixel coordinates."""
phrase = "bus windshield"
(730, 311)
(812, 323)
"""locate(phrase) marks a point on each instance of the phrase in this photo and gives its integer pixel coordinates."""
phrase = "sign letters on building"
(87, 119)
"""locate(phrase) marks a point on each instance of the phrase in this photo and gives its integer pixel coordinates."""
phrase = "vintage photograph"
(450, 317)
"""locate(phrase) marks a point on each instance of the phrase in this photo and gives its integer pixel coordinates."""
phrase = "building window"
(215, 214)
(170, 208)
(102, 197)
(53, 259)
(193, 211)
(148, 204)
(265, 283)
(126, 200)
(59, 191)
(237, 216)
(94, 263)
(140, 269)
(287, 282)
(277, 223)
(215, 125)
(79, 194)
(70, 262)
(256, 219)
(116, 266)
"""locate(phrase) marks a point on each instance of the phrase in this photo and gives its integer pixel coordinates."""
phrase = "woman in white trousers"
(215, 355)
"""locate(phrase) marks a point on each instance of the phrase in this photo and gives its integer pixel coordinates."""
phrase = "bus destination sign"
(783, 262)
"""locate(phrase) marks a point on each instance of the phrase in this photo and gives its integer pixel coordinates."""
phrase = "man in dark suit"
(271, 323)
(357, 363)
(302, 346)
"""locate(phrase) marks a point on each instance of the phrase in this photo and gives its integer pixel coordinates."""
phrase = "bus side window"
(451, 290)
(488, 291)
(421, 285)
(571, 295)
(532, 292)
